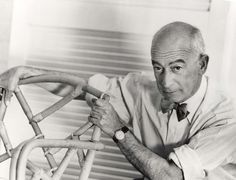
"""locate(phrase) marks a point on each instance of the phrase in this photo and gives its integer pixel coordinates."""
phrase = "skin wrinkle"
(171, 53)
(186, 50)
(178, 57)
(172, 56)
(158, 55)
(184, 56)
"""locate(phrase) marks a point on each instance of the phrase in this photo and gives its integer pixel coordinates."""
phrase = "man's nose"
(167, 80)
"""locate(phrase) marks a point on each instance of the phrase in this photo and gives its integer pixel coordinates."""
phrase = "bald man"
(176, 126)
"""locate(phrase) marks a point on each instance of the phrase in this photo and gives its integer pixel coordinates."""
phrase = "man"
(176, 127)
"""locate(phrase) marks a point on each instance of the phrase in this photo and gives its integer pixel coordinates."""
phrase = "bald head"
(178, 34)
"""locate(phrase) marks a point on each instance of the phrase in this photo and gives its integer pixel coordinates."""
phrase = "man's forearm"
(150, 164)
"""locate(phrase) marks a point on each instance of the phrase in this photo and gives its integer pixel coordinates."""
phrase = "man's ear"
(204, 58)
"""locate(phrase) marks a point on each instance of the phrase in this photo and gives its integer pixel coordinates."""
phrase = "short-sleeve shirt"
(203, 145)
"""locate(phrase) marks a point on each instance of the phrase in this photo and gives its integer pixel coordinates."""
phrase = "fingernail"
(106, 97)
(94, 100)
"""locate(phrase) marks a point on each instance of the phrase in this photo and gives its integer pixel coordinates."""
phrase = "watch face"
(119, 135)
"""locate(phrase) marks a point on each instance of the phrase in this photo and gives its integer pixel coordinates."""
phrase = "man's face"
(177, 71)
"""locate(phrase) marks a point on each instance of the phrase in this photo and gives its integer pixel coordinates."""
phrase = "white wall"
(228, 73)
(5, 26)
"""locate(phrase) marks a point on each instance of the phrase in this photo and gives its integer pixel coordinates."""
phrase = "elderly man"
(179, 126)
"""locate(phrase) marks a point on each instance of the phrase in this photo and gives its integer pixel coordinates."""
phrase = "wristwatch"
(120, 134)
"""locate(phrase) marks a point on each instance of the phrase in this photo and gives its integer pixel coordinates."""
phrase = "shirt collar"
(194, 102)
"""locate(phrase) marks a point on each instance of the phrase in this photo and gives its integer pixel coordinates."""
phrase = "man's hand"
(104, 116)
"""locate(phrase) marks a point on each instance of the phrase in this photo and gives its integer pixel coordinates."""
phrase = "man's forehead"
(171, 57)
(177, 53)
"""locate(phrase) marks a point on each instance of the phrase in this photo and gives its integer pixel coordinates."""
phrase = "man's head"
(178, 60)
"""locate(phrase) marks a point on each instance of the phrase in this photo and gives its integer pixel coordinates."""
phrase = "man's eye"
(176, 68)
(157, 69)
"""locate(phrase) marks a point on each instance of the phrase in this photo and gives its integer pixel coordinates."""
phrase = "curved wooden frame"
(19, 155)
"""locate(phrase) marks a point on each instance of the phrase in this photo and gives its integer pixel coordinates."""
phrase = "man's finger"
(96, 115)
(94, 100)
(99, 109)
(101, 102)
(94, 121)
(105, 97)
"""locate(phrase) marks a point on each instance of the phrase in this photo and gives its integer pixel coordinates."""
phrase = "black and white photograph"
(117, 90)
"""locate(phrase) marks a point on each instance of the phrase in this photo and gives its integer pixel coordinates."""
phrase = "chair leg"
(90, 156)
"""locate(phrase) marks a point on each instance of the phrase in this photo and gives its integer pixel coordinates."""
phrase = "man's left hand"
(104, 116)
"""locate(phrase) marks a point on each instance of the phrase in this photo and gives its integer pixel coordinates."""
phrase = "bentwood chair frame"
(73, 144)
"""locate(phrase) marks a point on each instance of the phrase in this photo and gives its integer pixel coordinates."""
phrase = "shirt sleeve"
(208, 149)
(123, 92)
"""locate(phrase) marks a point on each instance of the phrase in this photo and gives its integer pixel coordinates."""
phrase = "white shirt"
(203, 145)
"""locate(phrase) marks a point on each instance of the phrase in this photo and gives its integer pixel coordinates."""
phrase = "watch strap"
(124, 129)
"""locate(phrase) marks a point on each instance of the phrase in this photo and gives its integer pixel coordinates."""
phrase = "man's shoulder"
(216, 108)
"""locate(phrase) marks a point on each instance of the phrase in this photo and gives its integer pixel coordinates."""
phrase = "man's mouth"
(169, 92)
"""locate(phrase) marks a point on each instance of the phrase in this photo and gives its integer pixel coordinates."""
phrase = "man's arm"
(10, 79)
(148, 163)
